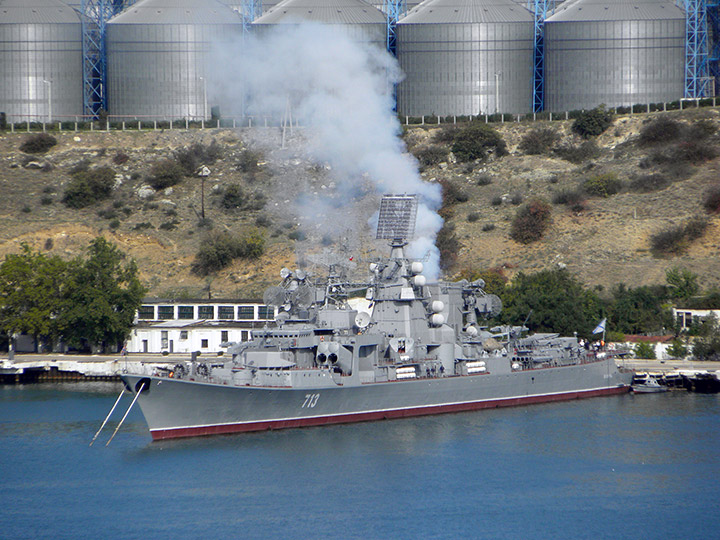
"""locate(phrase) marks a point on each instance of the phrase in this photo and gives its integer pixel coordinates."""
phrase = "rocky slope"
(607, 242)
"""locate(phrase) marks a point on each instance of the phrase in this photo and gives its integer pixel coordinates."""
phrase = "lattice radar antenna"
(396, 221)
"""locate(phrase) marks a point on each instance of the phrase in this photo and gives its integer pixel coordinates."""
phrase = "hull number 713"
(310, 401)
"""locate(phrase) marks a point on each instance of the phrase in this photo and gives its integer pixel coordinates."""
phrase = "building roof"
(467, 11)
(37, 12)
(202, 301)
(633, 338)
(322, 11)
(177, 12)
(616, 10)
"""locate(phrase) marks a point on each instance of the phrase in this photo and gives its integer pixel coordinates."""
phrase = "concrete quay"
(29, 368)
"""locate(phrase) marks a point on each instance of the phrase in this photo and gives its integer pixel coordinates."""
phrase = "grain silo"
(614, 52)
(357, 19)
(158, 53)
(465, 57)
(40, 60)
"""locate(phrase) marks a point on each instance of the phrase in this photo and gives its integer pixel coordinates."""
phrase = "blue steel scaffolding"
(251, 10)
(697, 77)
(540, 10)
(394, 11)
(713, 21)
(95, 14)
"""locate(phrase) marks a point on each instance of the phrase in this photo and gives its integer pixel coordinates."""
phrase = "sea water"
(631, 466)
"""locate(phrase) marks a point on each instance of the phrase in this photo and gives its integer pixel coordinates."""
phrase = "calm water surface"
(619, 467)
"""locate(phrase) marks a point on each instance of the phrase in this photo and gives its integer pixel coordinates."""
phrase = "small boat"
(647, 385)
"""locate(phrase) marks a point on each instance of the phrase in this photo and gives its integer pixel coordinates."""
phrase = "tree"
(101, 297)
(558, 303)
(644, 350)
(31, 285)
(475, 140)
(682, 283)
(677, 349)
(593, 122)
(640, 310)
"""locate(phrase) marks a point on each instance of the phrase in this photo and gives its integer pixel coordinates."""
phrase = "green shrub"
(496, 201)
(169, 225)
(574, 199)
(648, 183)
(249, 161)
(593, 122)
(484, 180)
(220, 249)
(120, 158)
(517, 198)
(26, 209)
(431, 155)
(539, 141)
(233, 197)
(531, 222)
(602, 185)
(114, 224)
(676, 239)
(142, 226)
(192, 157)
(644, 350)
(45, 201)
(661, 130)
(263, 221)
(711, 199)
(166, 173)
(38, 144)
(448, 245)
(578, 153)
(452, 194)
(475, 140)
(88, 187)
(701, 130)
(488, 227)
(473, 217)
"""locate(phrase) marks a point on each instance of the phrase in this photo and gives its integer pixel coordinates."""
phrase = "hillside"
(604, 241)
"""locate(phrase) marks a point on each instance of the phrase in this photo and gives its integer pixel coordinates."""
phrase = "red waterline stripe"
(160, 434)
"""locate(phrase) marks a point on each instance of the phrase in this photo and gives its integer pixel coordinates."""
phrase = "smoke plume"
(340, 90)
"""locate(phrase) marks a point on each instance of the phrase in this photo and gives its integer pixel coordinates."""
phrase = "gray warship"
(391, 346)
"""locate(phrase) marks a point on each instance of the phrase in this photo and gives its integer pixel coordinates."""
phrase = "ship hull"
(180, 408)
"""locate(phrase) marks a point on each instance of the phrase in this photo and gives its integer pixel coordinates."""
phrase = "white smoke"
(339, 89)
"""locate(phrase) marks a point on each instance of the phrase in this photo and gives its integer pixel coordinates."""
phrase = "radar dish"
(495, 305)
(285, 272)
(274, 296)
(300, 274)
(302, 296)
(362, 319)
(397, 217)
(282, 317)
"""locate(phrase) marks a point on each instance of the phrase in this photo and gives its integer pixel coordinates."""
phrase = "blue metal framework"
(540, 9)
(696, 49)
(251, 10)
(713, 18)
(94, 15)
(394, 11)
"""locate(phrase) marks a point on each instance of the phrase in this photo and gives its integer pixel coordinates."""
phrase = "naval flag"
(600, 328)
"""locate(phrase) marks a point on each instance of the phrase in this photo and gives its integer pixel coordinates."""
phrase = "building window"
(206, 312)
(186, 312)
(183, 334)
(166, 312)
(226, 312)
(146, 312)
(223, 336)
(203, 343)
(164, 339)
(246, 312)
(244, 335)
(266, 313)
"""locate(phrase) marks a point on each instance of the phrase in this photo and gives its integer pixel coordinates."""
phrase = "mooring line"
(108, 416)
(126, 413)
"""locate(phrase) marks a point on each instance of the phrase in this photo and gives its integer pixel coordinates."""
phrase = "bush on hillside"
(602, 185)
(593, 122)
(88, 187)
(711, 199)
(531, 221)
(220, 249)
(166, 173)
(578, 153)
(648, 183)
(475, 140)
(38, 144)
(676, 239)
(192, 157)
(448, 245)
(661, 130)
(431, 155)
(539, 141)
(573, 199)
